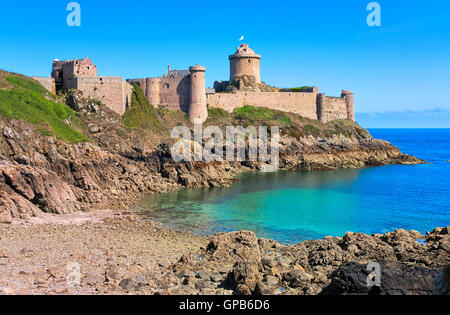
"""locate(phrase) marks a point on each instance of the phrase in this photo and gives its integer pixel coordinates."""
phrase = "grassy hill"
(25, 99)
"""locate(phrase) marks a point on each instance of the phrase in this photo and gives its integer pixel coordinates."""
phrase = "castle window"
(167, 85)
(249, 61)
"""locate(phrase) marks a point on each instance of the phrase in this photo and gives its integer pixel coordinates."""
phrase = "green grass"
(217, 113)
(312, 130)
(296, 89)
(141, 114)
(24, 99)
(253, 114)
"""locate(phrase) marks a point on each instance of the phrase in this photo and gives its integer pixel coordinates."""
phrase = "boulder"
(234, 247)
(396, 279)
(245, 278)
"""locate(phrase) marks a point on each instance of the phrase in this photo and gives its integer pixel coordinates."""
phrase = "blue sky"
(404, 65)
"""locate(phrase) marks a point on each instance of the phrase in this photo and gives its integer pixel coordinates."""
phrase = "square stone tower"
(64, 72)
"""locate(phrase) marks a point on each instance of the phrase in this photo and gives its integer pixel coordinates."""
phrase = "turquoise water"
(296, 206)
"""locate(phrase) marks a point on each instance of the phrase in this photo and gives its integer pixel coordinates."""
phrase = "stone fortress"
(185, 90)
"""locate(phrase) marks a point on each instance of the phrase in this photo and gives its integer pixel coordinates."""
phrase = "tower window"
(249, 61)
(167, 85)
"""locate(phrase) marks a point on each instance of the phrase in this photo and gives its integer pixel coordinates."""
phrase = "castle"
(185, 90)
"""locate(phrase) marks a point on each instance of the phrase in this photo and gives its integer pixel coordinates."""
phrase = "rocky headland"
(92, 159)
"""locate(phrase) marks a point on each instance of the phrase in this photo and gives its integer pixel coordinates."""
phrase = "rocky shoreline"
(123, 255)
(51, 193)
(42, 174)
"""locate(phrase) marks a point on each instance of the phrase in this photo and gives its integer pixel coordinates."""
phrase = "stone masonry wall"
(47, 83)
(334, 108)
(113, 92)
(304, 104)
(175, 92)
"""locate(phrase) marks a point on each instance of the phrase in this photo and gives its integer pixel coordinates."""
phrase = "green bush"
(141, 114)
(260, 114)
(217, 113)
(312, 130)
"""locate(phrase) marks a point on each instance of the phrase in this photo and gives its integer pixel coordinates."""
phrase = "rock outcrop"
(332, 266)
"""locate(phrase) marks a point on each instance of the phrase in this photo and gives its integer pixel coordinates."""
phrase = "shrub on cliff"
(25, 99)
(253, 114)
(141, 114)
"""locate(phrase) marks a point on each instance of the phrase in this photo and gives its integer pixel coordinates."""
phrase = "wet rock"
(396, 279)
(442, 282)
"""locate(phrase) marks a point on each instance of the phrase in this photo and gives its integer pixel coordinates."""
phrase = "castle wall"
(113, 92)
(304, 104)
(334, 108)
(175, 92)
(47, 83)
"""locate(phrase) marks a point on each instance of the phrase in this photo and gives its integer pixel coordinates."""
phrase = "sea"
(296, 206)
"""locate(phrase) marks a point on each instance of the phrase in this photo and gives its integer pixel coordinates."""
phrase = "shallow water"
(296, 206)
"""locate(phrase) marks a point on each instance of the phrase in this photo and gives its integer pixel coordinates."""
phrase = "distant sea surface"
(295, 206)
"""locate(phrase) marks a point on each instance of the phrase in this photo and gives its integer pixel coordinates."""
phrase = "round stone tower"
(153, 91)
(245, 62)
(197, 107)
(321, 107)
(349, 100)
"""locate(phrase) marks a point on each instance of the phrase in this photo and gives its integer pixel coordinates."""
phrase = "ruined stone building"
(185, 90)
(82, 75)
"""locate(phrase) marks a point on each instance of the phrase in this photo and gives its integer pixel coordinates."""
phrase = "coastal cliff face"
(66, 153)
(43, 174)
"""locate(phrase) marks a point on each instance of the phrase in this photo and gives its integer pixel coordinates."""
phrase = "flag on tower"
(242, 38)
